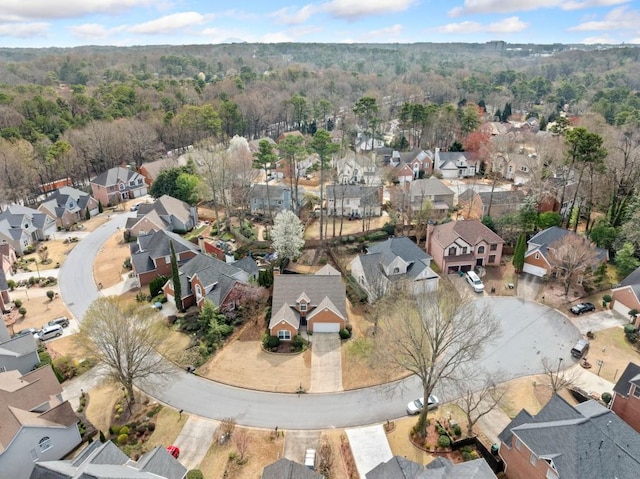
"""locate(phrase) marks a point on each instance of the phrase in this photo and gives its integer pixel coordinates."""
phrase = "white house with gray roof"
(354, 200)
(69, 206)
(434, 190)
(165, 213)
(395, 263)
(399, 467)
(21, 227)
(18, 353)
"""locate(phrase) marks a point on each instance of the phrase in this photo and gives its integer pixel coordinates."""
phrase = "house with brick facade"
(117, 185)
(626, 396)
(463, 245)
(586, 441)
(165, 213)
(8, 257)
(69, 206)
(151, 254)
(317, 301)
(626, 296)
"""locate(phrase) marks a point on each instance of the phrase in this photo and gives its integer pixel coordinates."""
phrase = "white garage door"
(326, 327)
(534, 270)
(621, 308)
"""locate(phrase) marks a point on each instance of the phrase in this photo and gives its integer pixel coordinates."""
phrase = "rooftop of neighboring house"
(15, 216)
(545, 238)
(156, 245)
(471, 231)
(21, 394)
(165, 206)
(630, 376)
(508, 197)
(586, 441)
(429, 186)
(15, 346)
(441, 468)
(286, 469)
(259, 190)
(354, 191)
(255, 144)
(115, 175)
(633, 279)
(317, 289)
(105, 461)
(154, 168)
(56, 202)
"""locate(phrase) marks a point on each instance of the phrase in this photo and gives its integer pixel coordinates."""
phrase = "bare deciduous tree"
(325, 457)
(124, 338)
(573, 259)
(478, 396)
(558, 378)
(242, 441)
(433, 335)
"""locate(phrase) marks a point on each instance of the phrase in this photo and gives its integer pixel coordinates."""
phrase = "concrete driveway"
(598, 321)
(194, 440)
(326, 363)
(296, 444)
(528, 286)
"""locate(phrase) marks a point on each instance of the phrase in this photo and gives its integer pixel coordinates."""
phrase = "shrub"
(50, 295)
(466, 456)
(32, 280)
(18, 303)
(444, 441)
(195, 474)
(123, 439)
(456, 430)
(124, 430)
(270, 341)
(116, 417)
(151, 426)
(606, 398)
(155, 286)
(349, 327)
(22, 310)
(345, 334)
(606, 298)
(380, 235)
(299, 343)
(11, 284)
(65, 366)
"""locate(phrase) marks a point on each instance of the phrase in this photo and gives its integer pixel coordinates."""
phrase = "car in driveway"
(62, 321)
(415, 406)
(24, 332)
(582, 308)
(49, 332)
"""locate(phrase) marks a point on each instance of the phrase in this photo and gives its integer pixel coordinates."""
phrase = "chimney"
(201, 244)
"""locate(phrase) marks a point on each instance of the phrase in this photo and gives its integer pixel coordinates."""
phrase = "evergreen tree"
(175, 276)
(100, 207)
(518, 254)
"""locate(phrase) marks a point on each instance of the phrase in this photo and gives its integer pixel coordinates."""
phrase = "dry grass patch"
(348, 227)
(611, 346)
(173, 344)
(401, 445)
(168, 427)
(39, 308)
(99, 410)
(64, 346)
(108, 266)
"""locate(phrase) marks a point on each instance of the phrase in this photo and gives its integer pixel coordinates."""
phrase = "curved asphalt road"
(529, 332)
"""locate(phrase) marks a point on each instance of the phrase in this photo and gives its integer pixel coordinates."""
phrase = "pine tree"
(175, 276)
(518, 254)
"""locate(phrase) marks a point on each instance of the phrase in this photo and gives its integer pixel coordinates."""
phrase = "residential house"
(279, 199)
(440, 468)
(152, 169)
(474, 205)
(7, 257)
(255, 144)
(69, 206)
(19, 353)
(434, 190)
(286, 469)
(515, 166)
(357, 169)
(204, 277)
(354, 200)
(453, 164)
(21, 227)
(151, 254)
(418, 161)
(37, 425)
(289, 133)
(626, 396)
(5, 300)
(105, 461)
(165, 213)
(366, 143)
(463, 245)
(318, 301)
(394, 263)
(586, 441)
(537, 259)
(118, 184)
(626, 296)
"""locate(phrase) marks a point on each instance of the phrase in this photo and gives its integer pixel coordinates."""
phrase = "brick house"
(151, 254)
(463, 245)
(626, 296)
(318, 301)
(118, 184)
(165, 213)
(586, 441)
(8, 257)
(474, 205)
(626, 396)
(5, 300)
(69, 206)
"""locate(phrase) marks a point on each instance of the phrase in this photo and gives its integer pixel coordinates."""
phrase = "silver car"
(414, 407)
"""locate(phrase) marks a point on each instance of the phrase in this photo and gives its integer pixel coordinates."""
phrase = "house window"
(518, 444)
(480, 249)
(139, 181)
(551, 474)
(533, 459)
(396, 270)
(284, 334)
(34, 455)
(537, 255)
(198, 291)
(493, 247)
(121, 186)
(452, 251)
(492, 258)
(636, 392)
(464, 250)
(303, 306)
(45, 444)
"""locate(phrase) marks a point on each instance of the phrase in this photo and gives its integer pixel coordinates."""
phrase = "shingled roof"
(471, 231)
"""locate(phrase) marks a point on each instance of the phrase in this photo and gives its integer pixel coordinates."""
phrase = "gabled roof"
(259, 190)
(429, 186)
(440, 468)
(471, 231)
(156, 245)
(286, 469)
(115, 175)
(449, 159)
(632, 279)
(551, 235)
(370, 194)
(630, 376)
(161, 211)
(154, 168)
(509, 197)
(14, 215)
(587, 441)
(56, 201)
(383, 254)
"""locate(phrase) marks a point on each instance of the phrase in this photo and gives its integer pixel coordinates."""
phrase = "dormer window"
(636, 391)
(396, 270)
(198, 291)
(303, 306)
(452, 251)
(121, 186)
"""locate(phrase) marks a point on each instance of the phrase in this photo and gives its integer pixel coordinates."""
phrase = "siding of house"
(624, 300)
(539, 262)
(628, 409)
(163, 267)
(325, 317)
(283, 325)
(100, 193)
(518, 463)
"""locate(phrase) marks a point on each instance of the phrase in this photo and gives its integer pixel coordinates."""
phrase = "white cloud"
(509, 6)
(352, 9)
(95, 30)
(293, 16)
(24, 30)
(383, 34)
(38, 9)
(169, 23)
(617, 19)
(506, 25)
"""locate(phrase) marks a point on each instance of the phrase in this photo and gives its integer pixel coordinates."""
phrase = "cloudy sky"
(63, 23)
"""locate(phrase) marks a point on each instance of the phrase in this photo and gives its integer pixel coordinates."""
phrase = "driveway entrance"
(326, 363)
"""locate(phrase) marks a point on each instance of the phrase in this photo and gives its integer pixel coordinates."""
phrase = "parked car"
(62, 321)
(49, 332)
(580, 349)
(582, 308)
(174, 451)
(474, 280)
(24, 332)
(414, 407)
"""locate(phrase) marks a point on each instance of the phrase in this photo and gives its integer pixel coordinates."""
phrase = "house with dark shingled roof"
(626, 396)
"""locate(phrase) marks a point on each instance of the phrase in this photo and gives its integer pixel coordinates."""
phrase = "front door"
(479, 261)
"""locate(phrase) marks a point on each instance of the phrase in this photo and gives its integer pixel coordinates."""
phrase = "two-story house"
(626, 296)
(476, 205)
(399, 467)
(36, 423)
(21, 227)
(586, 441)
(356, 169)
(151, 254)
(152, 169)
(118, 184)
(5, 299)
(452, 164)
(626, 396)
(434, 190)
(354, 200)
(279, 198)
(69, 206)
(394, 263)
(463, 245)
(19, 353)
(165, 213)
(8, 257)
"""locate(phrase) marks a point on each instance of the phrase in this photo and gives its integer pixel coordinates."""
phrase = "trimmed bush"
(22, 310)
(606, 298)
(18, 303)
(123, 439)
(456, 430)
(444, 441)
(345, 334)
(151, 426)
(270, 342)
(195, 474)
(606, 398)
(124, 430)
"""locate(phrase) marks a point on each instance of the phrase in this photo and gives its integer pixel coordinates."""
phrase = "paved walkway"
(194, 440)
(326, 363)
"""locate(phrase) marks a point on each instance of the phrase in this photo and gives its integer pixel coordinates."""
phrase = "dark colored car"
(62, 321)
(582, 308)
(23, 332)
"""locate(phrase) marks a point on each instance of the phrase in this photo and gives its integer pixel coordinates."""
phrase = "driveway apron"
(326, 363)
(296, 444)
(194, 440)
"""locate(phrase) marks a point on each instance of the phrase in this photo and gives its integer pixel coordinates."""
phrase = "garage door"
(621, 308)
(534, 270)
(326, 327)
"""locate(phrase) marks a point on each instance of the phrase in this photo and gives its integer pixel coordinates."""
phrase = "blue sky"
(64, 23)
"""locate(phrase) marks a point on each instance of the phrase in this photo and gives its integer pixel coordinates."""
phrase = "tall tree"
(322, 145)
(264, 159)
(287, 235)
(478, 395)
(175, 278)
(518, 254)
(366, 111)
(123, 337)
(572, 259)
(292, 150)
